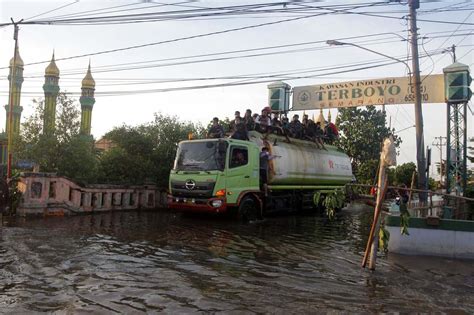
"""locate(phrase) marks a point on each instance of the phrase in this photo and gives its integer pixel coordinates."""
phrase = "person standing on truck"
(216, 130)
(265, 157)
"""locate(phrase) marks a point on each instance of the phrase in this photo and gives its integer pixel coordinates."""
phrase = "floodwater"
(160, 262)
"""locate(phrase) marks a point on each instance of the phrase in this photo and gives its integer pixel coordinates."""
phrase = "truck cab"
(215, 176)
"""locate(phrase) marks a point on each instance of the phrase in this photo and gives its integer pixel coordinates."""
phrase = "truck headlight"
(216, 203)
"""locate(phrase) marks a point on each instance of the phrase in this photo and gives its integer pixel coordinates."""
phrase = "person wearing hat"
(216, 130)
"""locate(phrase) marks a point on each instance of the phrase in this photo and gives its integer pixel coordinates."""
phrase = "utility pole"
(420, 145)
(10, 105)
(440, 144)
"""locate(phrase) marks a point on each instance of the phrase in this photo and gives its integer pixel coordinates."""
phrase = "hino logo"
(190, 184)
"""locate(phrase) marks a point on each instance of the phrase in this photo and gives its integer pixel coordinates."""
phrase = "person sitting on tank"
(330, 132)
(216, 130)
(285, 128)
(263, 122)
(276, 121)
(232, 122)
(249, 120)
(305, 125)
(318, 134)
(296, 128)
(240, 132)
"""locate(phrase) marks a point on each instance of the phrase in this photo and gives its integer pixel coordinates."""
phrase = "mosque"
(51, 90)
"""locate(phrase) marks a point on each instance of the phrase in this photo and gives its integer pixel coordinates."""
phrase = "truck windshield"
(201, 156)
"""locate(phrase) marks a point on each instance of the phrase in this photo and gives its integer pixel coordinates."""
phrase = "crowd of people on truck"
(306, 129)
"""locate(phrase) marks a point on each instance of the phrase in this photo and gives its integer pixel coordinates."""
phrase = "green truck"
(222, 175)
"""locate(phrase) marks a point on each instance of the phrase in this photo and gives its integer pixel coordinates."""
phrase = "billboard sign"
(386, 91)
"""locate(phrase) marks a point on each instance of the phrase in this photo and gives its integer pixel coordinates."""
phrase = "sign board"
(386, 91)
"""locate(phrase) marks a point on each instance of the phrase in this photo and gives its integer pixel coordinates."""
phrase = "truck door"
(239, 170)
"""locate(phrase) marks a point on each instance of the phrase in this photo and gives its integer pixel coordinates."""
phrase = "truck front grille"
(202, 189)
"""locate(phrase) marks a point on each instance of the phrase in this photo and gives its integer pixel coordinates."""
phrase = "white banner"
(384, 91)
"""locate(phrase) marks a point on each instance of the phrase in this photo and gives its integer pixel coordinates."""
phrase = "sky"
(133, 84)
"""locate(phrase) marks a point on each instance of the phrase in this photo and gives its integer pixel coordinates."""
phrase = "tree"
(63, 150)
(145, 152)
(361, 133)
(403, 174)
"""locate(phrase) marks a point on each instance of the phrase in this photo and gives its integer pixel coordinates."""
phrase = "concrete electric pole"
(420, 145)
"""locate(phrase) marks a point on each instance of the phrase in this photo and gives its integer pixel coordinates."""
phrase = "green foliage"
(63, 150)
(331, 201)
(367, 172)
(403, 174)
(145, 152)
(362, 132)
(384, 237)
(404, 221)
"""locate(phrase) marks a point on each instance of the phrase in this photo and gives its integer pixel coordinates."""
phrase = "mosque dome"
(19, 61)
(88, 81)
(52, 69)
(321, 119)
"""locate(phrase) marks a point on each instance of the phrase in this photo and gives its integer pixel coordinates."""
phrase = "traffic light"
(278, 96)
(457, 80)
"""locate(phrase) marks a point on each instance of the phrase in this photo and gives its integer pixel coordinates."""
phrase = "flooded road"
(160, 262)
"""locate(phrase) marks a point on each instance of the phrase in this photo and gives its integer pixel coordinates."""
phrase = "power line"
(56, 9)
(203, 55)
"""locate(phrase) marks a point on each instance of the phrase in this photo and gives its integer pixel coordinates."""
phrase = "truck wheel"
(248, 210)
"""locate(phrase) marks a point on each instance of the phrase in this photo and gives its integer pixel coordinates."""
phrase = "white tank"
(303, 163)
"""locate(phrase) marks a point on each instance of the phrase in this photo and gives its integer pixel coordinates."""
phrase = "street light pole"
(415, 82)
(338, 43)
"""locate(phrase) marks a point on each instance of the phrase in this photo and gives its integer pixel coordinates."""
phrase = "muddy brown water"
(161, 262)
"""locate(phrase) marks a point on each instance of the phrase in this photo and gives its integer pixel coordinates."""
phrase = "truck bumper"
(194, 205)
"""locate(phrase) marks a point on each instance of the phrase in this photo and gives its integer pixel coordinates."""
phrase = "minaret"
(16, 92)
(51, 90)
(87, 101)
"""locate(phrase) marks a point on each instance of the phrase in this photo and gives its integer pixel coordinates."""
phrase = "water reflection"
(131, 262)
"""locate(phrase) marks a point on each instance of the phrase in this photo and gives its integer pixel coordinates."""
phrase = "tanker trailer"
(222, 175)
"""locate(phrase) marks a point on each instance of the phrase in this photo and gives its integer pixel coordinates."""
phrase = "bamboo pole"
(387, 158)
(376, 228)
